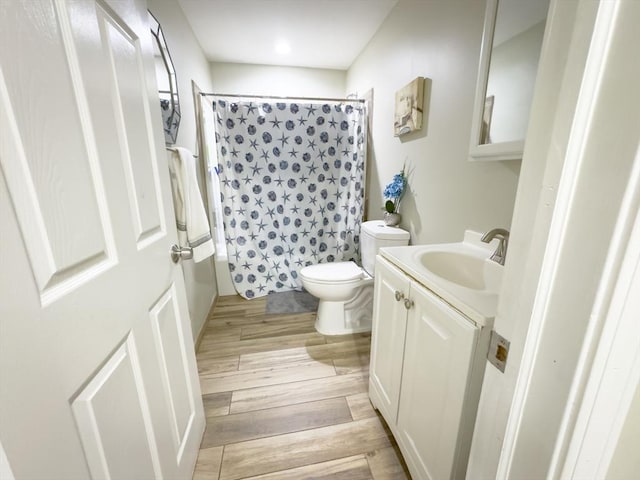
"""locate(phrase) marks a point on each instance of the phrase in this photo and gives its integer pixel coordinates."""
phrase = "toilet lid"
(332, 272)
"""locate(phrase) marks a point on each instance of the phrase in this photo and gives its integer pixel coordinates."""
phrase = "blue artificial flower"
(394, 191)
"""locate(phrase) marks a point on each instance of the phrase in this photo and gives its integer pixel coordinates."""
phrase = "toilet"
(344, 289)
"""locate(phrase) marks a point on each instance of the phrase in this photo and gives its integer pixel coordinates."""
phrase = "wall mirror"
(511, 45)
(167, 83)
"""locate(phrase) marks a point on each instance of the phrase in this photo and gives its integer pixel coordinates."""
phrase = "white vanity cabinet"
(427, 363)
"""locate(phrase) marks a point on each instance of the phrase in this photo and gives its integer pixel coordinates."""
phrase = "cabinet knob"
(399, 296)
(408, 303)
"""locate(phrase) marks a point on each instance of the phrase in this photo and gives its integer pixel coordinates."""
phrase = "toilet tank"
(375, 234)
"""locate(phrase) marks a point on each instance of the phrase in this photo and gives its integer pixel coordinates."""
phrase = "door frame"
(608, 367)
(615, 373)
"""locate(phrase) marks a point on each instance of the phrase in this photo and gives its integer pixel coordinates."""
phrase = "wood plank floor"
(284, 402)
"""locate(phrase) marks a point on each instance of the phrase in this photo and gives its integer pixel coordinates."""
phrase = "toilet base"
(343, 318)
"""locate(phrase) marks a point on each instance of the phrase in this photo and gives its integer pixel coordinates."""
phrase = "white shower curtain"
(292, 188)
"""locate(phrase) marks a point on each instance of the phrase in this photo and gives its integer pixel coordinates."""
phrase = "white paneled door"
(97, 369)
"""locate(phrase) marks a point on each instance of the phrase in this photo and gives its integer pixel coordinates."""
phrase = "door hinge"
(498, 350)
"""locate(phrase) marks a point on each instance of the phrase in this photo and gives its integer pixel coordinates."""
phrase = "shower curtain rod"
(271, 97)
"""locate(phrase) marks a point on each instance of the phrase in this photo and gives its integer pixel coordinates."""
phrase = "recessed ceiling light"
(283, 47)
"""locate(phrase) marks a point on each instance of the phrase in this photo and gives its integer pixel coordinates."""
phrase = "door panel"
(134, 124)
(96, 355)
(50, 197)
(168, 335)
(112, 403)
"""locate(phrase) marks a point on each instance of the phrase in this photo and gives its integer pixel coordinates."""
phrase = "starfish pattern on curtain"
(291, 179)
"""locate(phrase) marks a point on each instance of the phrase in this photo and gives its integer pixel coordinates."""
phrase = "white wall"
(234, 78)
(190, 64)
(439, 40)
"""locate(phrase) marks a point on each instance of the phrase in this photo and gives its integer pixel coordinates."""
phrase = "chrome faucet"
(503, 236)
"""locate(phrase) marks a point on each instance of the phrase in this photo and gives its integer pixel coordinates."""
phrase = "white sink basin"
(460, 273)
(469, 271)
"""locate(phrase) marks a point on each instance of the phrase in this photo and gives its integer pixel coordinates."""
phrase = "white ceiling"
(321, 33)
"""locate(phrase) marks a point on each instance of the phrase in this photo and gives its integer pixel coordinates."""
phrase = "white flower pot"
(392, 219)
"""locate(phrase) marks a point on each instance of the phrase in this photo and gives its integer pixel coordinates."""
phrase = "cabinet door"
(387, 338)
(438, 353)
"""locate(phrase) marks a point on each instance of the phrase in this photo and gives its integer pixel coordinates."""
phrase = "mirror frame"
(171, 112)
(489, 151)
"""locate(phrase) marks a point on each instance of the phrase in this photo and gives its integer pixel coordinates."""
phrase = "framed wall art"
(409, 106)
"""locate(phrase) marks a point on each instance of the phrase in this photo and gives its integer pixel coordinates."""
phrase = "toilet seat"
(333, 273)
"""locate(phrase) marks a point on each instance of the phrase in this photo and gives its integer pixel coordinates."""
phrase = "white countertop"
(478, 304)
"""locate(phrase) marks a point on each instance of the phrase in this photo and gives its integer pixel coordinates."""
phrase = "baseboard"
(205, 323)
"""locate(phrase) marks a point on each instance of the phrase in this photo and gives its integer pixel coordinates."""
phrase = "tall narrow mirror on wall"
(511, 46)
(167, 83)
